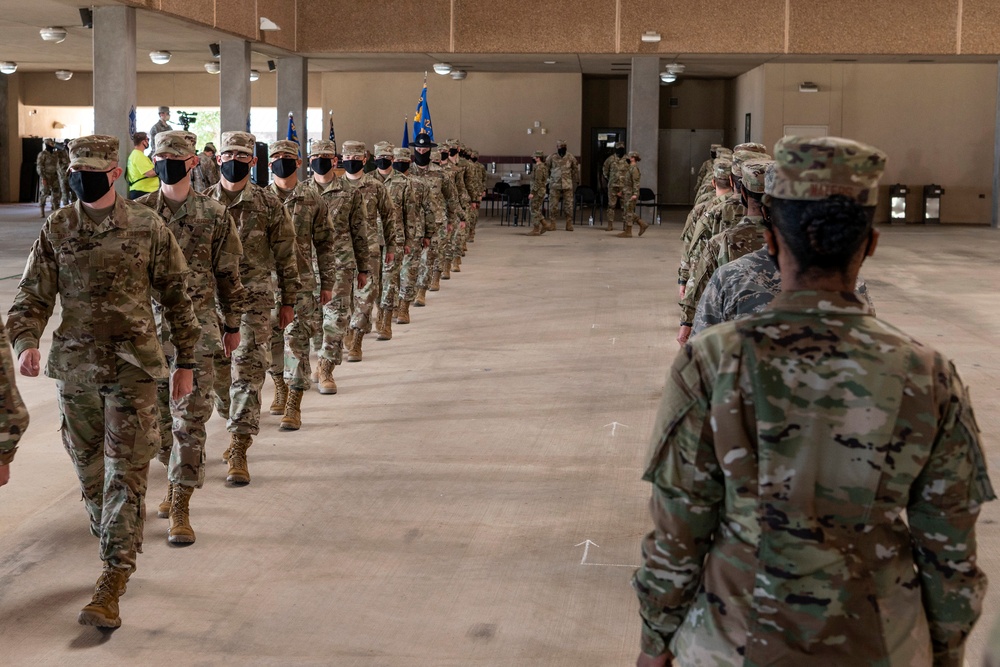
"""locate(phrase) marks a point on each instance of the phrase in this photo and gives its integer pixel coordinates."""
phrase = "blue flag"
(422, 118)
(406, 134)
(292, 134)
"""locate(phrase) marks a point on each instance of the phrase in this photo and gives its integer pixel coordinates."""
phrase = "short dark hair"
(138, 138)
(823, 235)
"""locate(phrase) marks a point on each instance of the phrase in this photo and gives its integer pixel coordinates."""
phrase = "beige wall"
(12, 141)
(935, 121)
(700, 105)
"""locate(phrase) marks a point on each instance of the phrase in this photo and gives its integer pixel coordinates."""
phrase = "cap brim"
(237, 149)
(93, 162)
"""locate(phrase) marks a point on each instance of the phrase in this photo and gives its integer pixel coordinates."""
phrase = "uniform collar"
(819, 303)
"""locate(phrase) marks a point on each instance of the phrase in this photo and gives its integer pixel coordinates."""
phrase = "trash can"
(897, 201)
(932, 204)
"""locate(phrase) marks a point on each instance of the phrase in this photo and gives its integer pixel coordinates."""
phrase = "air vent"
(921, 60)
(845, 60)
(673, 103)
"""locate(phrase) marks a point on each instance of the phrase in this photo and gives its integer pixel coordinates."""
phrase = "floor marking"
(614, 427)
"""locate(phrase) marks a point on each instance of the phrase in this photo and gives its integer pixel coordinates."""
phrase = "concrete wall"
(935, 121)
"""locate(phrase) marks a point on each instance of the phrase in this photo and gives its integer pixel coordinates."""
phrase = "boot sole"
(353, 360)
(94, 619)
(327, 392)
(288, 427)
(275, 411)
(181, 540)
(234, 480)
(163, 515)
(383, 337)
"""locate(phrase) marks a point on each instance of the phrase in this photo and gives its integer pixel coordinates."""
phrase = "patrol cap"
(239, 142)
(815, 168)
(750, 146)
(619, 144)
(423, 140)
(560, 143)
(49, 141)
(721, 169)
(282, 146)
(474, 153)
(741, 156)
(353, 148)
(323, 147)
(451, 143)
(98, 151)
(163, 110)
(754, 173)
(209, 146)
(538, 154)
(722, 151)
(401, 155)
(634, 154)
(175, 143)
(772, 169)
(383, 149)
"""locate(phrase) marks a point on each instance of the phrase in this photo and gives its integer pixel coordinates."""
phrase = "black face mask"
(422, 159)
(49, 148)
(475, 159)
(89, 186)
(354, 166)
(383, 162)
(444, 156)
(562, 151)
(453, 151)
(284, 167)
(620, 152)
(321, 165)
(171, 172)
(401, 167)
(235, 171)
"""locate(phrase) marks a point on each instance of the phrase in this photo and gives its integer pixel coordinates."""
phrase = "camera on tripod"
(185, 119)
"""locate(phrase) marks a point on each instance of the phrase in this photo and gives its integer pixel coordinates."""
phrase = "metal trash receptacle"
(897, 202)
(932, 204)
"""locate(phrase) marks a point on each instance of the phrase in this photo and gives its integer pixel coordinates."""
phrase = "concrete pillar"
(114, 79)
(995, 221)
(5, 149)
(234, 85)
(644, 116)
(293, 97)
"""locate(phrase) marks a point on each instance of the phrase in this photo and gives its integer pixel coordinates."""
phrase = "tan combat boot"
(537, 230)
(326, 383)
(611, 225)
(292, 421)
(548, 226)
(354, 353)
(569, 226)
(435, 281)
(627, 234)
(42, 204)
(102, 611)
(403, 313)
(163, 511)
(446, 272)
(180, 531)
(239, 473)
(385, 331)
(421, 299)
(280, 395)
(643, 226)
(456, 265)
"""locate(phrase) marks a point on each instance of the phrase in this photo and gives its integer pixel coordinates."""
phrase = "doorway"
(602, 145)
(681, 154)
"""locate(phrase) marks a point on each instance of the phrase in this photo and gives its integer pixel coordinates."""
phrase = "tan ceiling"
(21, 20)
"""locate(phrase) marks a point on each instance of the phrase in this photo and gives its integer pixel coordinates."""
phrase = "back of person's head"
(822, 199)
(138, 138)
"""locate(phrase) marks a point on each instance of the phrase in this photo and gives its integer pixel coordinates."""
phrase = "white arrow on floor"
(614, 427)
(586, 544)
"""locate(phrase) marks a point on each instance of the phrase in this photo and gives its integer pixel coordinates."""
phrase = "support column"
(293, 97)
(234, 85)
(5, 149)
(995, 221)
(644, 116)
(114, 79)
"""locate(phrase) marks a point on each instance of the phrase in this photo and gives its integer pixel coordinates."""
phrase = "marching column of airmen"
(182, 301)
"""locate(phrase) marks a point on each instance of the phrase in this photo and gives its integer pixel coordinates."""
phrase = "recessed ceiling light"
(64, 74)
(53, 34)
(8, 67)
(459, 74)
(212, 67)
(254, 75)
(160, 57)
(676, 68)
(442, 68)
(548, 62)
(667, 77)
(651, 37)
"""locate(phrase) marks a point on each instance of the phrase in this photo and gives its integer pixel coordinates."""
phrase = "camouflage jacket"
(13, 414)
(160, 126)
(313, 230)
(444, 199)
(786, 450)
(616, 172)
(733, 243)
(47, 164)
(268, 240)
(211, 245)
(722, 213)
(457, 175)
(62, 163)
(350, 231)
(705, 170)
(382, 220)
(402, 191)
(424, 226)
(539, 177)
(105, 276)
(564, 171)
(634, 178)
(470, 178)
(684, 268)
(745, 286)
(205, 174)
(479, 171)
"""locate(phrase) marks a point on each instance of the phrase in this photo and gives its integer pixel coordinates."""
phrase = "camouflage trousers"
(460, 238)
(290, 348)
(336, 318)
(238, 380)
(182, 424)
(429, 262)
(473, 221)
(111, 435)
(68, 197)
(443, 253)
(408, 270)
(51, 185)
(390, 282)
(616, 194)
(630, 216)
(365, 297)
(564, 197)
(537, 202)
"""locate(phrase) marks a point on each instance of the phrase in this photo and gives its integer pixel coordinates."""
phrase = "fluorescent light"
(160, 57)
(53, 34)
(651, 37)
(212, 67)
(8, 67)
(808, 87)
(676, 68)
(459, 74)
(442, 68)
(254, 75)
(268, 24)
(64, 74)
(667, 77)
(548, 62)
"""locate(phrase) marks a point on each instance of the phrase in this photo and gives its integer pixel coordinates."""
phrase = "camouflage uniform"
(452, 247)
(211, 246)
(420, 230)
(13, 414)
(564, 177)
(479, 175)
(268, 240)
(619, 179)
(160, 126)
(47, 166)
(444, 202)
(403, 196)
(632, 196)
(206, 173)
(539, 179)
(62, 171)
(470, 178)
(106, 355)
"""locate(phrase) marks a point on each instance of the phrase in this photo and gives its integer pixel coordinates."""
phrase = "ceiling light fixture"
(459, 74)
(651, 37)
(53, 34)
(676, 68)
(64, 74)
(667, 77)
(8, 67)
(548, 62)
(254, 75)
(212, 67)
(216, 51)
(442, 68)
(160, 57)
(268, 24)
(808, 87)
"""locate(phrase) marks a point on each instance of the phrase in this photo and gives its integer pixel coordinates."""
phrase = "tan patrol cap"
(383, 149)
(741, 156)
(98, 151)
(560, 143)
(238, 142)
(402, 155)
(538, 154)
(721, 169)
(750, 146)
(815, 168)
(283, 146)
(176, 143)
(634, 154)
(323, 147)
(353, 148)
(754, 174)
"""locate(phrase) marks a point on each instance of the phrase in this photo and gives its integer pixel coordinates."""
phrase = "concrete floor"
(472, 496)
